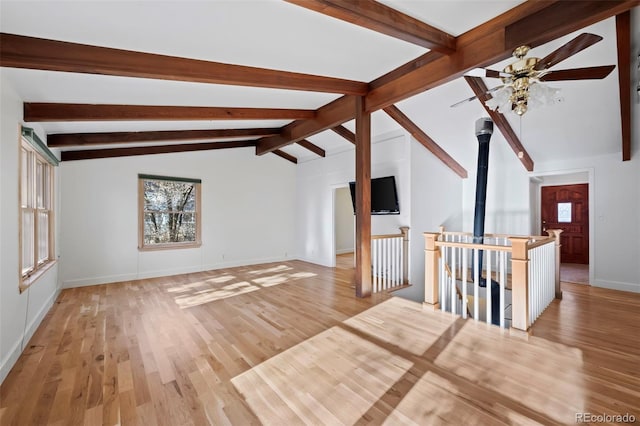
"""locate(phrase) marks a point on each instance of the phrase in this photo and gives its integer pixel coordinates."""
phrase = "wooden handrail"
(541, 242)
(382, 237)
(470, 234)
(473, 246)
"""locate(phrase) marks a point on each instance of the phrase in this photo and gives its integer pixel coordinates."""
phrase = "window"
(564, 212)
(36, 207)
(169, 212)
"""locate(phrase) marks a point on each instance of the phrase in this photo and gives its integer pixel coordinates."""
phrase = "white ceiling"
(274, 34)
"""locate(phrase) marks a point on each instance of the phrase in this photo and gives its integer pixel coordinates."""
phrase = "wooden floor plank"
(289, 343)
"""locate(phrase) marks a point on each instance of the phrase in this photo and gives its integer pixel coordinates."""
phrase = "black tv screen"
(384, 197)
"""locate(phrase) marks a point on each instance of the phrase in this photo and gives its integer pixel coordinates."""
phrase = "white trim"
(617, 285)
(345, 251)
(107, 279)
(590, 181)
(15, 352)
(111, 279)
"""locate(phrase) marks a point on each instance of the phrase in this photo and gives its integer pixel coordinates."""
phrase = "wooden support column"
(405, 254)
(363, 200)
(520, 283)
(431, 256)
(555, 233)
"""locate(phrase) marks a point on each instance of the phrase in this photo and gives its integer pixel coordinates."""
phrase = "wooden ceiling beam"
(286, 156)
(89, 154)
(480, 47)
(531, 23)
(330, 115)
(480, 90)
(91, 112)
(424, 139)
(623, 36)
(383, 19)
(18, 51)
(312, 147)
(58, 140)
(345, 133)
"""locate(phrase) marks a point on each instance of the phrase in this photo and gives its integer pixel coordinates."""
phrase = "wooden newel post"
(555, 233)
(431, 270)
(520, 283)
(405, 254)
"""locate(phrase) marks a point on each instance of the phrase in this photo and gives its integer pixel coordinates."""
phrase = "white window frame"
(36, 199)
(142, 246)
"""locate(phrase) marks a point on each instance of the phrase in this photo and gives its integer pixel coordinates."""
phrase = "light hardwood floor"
(288, 343)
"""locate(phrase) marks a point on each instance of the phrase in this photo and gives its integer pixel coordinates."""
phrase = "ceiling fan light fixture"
(501, 100)
(543, 95)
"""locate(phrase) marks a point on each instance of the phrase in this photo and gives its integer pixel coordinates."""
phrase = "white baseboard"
(109, 279)
(345, 251)
(25, 336)
(616, 285)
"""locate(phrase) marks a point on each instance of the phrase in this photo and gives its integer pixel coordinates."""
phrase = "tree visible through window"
(169, 212)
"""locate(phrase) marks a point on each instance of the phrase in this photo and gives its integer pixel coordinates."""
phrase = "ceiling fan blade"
(590, 73)
(464, 101)
(497, 74)
(483, 72)
(576, 45)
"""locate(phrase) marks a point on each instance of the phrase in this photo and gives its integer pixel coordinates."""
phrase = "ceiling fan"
(521, 79)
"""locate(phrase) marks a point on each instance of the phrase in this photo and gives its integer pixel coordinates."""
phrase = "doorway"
(566, 207)
(344, 228)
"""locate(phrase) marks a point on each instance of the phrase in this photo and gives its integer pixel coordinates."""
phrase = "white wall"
(20, 314)
(616, 207)
(436, 199)
(507, 205)
(345, 221)
(318, 179)
(247, 208)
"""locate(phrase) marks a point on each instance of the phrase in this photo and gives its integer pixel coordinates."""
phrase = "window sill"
(170, 246)
(27, 281)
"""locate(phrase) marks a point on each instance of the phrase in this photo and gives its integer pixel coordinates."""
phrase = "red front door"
(566, 207)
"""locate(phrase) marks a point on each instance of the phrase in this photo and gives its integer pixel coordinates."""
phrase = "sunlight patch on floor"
(546, 376)
(206, 296)
(209, 290)
(331, 378)
(279, 268)
(434, 399)
(402, 323)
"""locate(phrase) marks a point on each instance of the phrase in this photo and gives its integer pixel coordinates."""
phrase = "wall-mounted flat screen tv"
(384, 197)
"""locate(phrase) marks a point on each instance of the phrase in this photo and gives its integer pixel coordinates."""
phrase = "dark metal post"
(484, 130)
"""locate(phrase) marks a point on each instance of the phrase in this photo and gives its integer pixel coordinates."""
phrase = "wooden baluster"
(374, 264)
(385, 245)
(503, 262)
(476, 281)
(431, 270)
(453, 280)
(394, 261)
(487, 289)
(405, 254)
(443, 277)
(520, 283)
(555, 233)
(465, 268)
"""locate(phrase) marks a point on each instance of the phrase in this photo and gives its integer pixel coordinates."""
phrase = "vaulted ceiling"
(325, 53)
